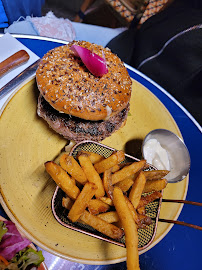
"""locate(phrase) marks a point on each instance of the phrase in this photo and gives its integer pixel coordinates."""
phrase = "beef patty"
(77, 129)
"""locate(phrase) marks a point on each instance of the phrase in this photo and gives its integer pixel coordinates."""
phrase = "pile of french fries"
(107, 194)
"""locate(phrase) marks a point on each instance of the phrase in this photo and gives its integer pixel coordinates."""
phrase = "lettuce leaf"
(3, 229)
(27, 257)
(12, 241)
(14, 248)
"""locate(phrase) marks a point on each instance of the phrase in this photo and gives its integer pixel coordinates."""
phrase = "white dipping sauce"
(156, 155)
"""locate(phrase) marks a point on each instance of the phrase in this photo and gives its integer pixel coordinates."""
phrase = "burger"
(78, 103)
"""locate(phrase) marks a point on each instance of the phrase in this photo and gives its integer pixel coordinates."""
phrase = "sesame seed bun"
(70, 88)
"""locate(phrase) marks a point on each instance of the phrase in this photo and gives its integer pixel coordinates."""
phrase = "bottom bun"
(77, 129)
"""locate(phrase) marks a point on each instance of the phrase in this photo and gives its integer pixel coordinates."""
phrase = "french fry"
(144, 221)
(110, 217)
(82, 201)
(102, 226)
(130, 229)
(69, 164)
(116, 168)
(91, 174)
(149, 198)
(132, 209)
(155, 174)
(125, 184)
(106, 200)
(62, 179)
(140, 219)
(141, 210)
(67, 203)
(73, 180)
(109, 162)
(155, 185)
(137, 188)
(127, 171)
(107, 182)
(97, 206)
(94, 157)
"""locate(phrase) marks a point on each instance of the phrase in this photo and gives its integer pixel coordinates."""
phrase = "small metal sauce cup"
(178, 153)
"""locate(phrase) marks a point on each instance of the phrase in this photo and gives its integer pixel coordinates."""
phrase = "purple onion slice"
(94, 63)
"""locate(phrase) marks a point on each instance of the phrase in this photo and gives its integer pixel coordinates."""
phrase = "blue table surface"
(181, 248)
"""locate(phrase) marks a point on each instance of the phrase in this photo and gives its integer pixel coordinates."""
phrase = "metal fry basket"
(145, 236)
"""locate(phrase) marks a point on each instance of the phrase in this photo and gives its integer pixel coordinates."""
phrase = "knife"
(28, 72)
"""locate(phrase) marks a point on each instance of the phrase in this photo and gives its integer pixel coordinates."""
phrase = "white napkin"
(8, 46)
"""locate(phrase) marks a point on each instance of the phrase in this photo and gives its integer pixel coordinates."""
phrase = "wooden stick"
(180, 223)
(182, 201)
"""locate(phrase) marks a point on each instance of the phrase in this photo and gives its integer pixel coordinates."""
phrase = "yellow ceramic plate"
(26, 189)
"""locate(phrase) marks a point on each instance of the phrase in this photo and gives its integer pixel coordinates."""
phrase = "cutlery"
(29, 71)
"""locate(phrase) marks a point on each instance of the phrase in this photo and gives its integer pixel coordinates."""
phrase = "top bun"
(69, 87)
